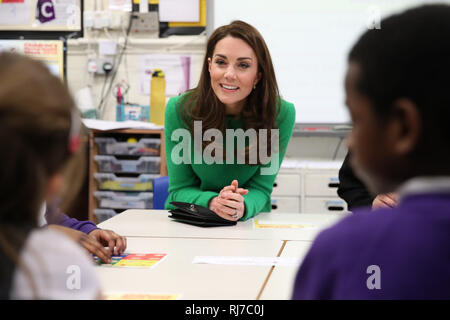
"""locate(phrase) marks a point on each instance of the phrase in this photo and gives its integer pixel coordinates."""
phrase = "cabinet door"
(321, 184)
(324, 205)
(287, 185)
(286, 204)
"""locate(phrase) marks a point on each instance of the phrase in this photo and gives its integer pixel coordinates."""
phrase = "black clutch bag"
(197, 215)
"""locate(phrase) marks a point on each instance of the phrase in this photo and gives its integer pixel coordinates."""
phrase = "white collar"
(425, 184)
(42, 219)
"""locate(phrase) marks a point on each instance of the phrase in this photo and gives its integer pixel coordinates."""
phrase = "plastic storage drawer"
(124, 200)
(109, 181)
(143, 165)
(144, 147)
(104, 214)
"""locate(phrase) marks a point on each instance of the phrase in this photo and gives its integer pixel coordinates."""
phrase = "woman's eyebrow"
(225, 57)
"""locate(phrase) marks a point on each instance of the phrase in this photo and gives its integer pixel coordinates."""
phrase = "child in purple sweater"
(397, 87)
(86, 233)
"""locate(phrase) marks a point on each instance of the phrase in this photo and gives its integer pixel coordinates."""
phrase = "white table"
(281, 281)
(156, 223)
(152, 231)
(178, 275)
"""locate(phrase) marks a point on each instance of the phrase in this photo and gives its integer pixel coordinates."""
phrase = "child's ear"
(405, 126)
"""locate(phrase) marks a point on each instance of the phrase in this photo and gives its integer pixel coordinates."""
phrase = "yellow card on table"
(141, 296)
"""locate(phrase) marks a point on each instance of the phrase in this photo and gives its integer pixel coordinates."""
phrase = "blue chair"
(160, 192)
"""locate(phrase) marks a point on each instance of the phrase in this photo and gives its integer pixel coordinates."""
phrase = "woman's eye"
(220, 62)
(244, 65)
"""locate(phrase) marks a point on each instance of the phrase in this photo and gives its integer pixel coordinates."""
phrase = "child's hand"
(116, 244)
(89, 243)
(388, 200)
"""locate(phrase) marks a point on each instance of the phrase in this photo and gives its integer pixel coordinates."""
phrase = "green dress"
(190, 181)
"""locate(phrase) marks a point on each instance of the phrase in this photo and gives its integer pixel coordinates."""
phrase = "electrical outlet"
(147, 22)
(101, 19)
(116, 20)
(95, 65)
(88, 17)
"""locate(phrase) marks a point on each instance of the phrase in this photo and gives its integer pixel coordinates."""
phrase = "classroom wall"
(80, 50)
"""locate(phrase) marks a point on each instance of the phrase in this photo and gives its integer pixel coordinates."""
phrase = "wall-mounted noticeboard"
(41, 15)
(50, 52)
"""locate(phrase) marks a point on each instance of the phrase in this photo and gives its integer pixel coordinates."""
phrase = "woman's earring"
(254, 86)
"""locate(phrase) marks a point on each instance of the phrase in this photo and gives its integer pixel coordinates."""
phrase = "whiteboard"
(309, 43)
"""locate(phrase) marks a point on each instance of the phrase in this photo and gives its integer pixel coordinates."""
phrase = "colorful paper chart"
(141, 260)
(142, 296)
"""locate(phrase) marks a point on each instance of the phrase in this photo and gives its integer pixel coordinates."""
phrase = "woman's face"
(233, 68)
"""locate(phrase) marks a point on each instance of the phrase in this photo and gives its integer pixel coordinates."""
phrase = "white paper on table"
(15, 13)
(176, 68)
(282, 224)
(247, 261)
(179, 10)
(112, 125)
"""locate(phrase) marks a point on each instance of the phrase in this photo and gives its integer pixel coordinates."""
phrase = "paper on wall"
(107, 47)
(49, 52)
(179, 10)
(66, 14)
(120, 5)
(15, 13)
(176, 68)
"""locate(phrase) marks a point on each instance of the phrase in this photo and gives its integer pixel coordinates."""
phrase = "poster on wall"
(176, 68)
(50, 52)
(40, 15)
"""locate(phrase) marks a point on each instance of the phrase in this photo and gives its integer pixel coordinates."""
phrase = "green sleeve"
(184, 185)
(260, 186)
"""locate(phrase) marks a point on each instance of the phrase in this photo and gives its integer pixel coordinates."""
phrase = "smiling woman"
(237, 90)
(234, 73)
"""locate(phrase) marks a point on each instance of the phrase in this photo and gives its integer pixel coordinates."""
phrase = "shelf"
(93, 151)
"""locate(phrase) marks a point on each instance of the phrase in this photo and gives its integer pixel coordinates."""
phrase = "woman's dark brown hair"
(260, 110)
(36, 117)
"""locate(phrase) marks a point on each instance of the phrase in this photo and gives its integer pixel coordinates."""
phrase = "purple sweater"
(400, 253)
(53, 216)
(83, 226)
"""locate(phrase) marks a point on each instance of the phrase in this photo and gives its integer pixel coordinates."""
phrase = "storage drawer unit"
(324, 205)
(123, 165)
(321, 184)
(110, 181)
(143, 147)
(286, 204)
(124, 200)
(142, 165)
(287, 185)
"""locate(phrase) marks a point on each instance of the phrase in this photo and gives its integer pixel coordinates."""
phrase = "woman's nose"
(230, 73)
